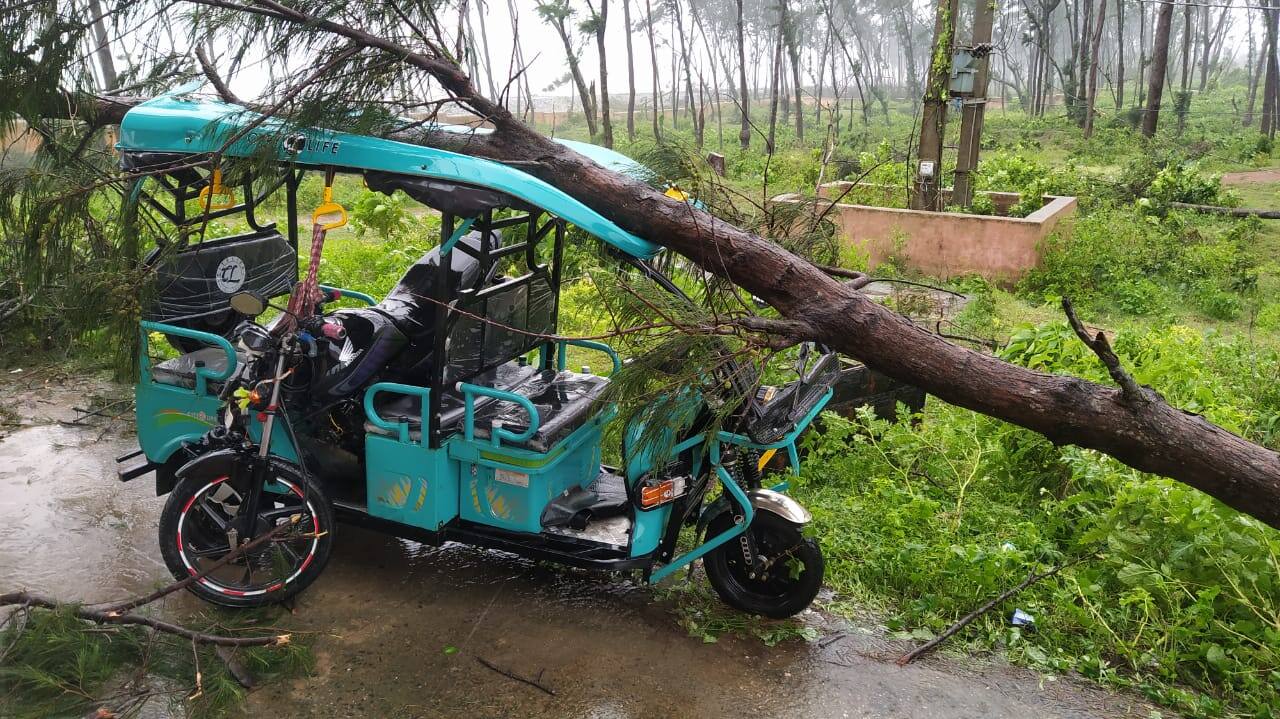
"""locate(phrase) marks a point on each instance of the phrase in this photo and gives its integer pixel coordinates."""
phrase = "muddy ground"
(399, 629)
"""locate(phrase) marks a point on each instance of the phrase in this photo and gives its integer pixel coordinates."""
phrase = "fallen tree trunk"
(1139, 429)
(1229, 211)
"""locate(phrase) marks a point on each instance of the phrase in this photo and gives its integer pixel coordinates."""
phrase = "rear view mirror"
(249, 304)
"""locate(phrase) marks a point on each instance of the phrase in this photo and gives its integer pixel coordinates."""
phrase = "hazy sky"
(543, 50)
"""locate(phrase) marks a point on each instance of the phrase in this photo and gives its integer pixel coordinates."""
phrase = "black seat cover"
(395, 337)
(407, 408)
(409, 303)
(564, 401)
(192, 286)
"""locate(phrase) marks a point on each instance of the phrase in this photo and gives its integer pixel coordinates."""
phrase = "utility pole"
(975, 104)
(926, 192)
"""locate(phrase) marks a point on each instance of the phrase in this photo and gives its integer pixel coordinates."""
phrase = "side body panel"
(410, 483)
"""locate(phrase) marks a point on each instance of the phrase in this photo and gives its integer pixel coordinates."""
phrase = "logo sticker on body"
(230, 274)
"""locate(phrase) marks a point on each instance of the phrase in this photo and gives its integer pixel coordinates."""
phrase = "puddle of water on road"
(67, 527)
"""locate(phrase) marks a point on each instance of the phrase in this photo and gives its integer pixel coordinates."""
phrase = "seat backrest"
(409, 302)
(516, 313)
(192, 287)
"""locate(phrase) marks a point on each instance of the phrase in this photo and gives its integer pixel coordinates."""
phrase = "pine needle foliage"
(53, 664)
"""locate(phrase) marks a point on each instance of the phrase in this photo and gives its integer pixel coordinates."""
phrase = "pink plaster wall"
(949, 244)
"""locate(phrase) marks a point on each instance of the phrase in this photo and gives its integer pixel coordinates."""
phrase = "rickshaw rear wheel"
(193, 537)
(782, 589)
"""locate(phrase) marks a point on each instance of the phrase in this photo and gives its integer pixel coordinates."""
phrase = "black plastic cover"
(449, 197)
(372, 341)
(193, 286)
(775, 410)
(154, 161)
(517, 316)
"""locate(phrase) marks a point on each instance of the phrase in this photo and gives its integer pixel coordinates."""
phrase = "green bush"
(386, 215)
(1014, 172)
(1119, 260)
(1184, 182)
(929, 519)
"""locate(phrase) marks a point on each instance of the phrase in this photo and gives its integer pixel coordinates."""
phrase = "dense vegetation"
(925, 519)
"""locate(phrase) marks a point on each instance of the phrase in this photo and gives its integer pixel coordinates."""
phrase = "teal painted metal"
(401, 428)
(281, 443)
(203, 374)
(788, 442)
(738, 496)
(410, 483)
(458, 234)
(508, 487)
(171, 415)
(181, 123)
(497, 434)
(588, 344)
(344, 292)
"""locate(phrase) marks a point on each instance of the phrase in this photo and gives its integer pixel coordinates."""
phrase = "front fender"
(767, 500)
(762, 500)
(210, 465)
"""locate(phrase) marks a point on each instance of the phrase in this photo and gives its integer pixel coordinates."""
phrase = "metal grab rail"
(343, 292)
(203, 374)
(401, 428)
(498, 433)
(561, 359)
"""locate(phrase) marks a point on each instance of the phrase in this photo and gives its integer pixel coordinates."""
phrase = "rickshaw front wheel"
(200, 523)
(781, 583)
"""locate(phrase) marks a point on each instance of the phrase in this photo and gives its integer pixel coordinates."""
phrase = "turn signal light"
(653, 495)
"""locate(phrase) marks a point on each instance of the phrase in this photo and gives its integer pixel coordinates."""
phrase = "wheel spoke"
(213, 514)
(210, 552)
(294, 558)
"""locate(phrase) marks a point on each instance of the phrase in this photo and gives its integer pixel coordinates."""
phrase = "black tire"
(191, 540)
(778, 594)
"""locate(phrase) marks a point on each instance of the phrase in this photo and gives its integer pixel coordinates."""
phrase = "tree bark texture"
(1159, 64)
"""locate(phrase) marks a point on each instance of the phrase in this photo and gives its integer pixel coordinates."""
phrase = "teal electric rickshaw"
(443, 411)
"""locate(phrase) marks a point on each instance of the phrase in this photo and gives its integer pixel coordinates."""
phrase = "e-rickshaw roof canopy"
(180, 122)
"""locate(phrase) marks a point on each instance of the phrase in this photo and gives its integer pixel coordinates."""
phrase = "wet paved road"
(386, 610)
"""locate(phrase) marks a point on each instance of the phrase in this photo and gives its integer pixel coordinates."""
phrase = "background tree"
(557, 15)
(1159, 63)
(596, 26)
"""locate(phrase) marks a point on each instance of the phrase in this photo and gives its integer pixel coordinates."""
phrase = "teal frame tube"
(562, 360)
(738, 496)
(469, 392)
(463, 229)
(203, 374)
(400, 428)
(367, 299)
(735, 492)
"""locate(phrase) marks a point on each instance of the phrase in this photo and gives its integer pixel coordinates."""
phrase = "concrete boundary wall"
(947, 244)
